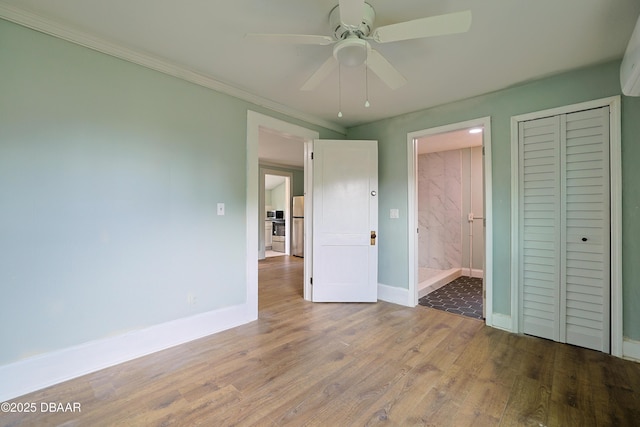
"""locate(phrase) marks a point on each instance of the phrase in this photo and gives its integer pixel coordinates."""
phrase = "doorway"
(450, 221)
(449, 208)
(254, 214)
(275, 197)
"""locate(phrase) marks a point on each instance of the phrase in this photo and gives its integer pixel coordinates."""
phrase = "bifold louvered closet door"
(565, 228)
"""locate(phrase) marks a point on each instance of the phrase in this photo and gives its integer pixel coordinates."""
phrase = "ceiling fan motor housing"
(341, 32)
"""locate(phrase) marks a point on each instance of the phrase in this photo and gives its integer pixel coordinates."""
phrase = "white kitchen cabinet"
(268, 231)
(278, 243)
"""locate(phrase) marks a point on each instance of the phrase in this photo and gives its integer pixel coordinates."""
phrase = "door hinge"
(311, 280)
(312, 155)
(483, 150)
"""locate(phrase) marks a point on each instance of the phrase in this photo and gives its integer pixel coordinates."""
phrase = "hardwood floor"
(351, 365)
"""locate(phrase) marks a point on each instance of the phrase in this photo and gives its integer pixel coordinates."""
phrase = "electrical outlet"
(394, 213)
(191, 299)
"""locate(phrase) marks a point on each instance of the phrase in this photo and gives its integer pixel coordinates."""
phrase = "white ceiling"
(280, 149)
(510, 41)
(272, 181)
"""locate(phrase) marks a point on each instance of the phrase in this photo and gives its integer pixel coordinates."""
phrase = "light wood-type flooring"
(352, 365)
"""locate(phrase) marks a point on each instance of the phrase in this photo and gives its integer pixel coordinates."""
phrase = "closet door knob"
(584, 239)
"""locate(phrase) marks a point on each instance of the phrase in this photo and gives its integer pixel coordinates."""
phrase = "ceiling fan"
(352, 25)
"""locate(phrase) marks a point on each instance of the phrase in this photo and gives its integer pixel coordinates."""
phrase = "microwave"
(275, 214)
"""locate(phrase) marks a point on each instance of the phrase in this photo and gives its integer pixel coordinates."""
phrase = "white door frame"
(308, 219)
(287, 210)
(615, 162)
(254, 122)
(412, 211)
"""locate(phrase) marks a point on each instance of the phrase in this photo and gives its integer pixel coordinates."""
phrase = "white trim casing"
(502, 321)
(616, 211)
(307, 292)
(393, 294)
(38, 372)
(515, 224)
(412, 215)
(488, 215)
(254, 122)
(631, 350)
(615, 158)
(252, 210)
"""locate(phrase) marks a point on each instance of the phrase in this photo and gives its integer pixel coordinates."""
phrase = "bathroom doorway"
(449, 197)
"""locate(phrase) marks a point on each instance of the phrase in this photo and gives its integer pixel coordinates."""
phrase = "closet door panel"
(565, 228)
(587, 233)
(540, 226)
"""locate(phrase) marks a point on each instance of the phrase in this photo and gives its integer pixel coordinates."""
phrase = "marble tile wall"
(440, 209)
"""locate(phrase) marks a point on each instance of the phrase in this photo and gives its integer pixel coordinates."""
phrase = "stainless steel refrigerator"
(297, 227)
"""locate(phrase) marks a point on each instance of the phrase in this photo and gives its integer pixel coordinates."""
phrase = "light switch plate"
(394, 213)
(220, 208)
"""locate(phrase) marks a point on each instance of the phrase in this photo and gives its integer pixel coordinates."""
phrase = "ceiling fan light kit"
(352, 51)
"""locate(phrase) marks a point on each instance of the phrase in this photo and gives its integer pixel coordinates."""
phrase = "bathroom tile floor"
(462, 296)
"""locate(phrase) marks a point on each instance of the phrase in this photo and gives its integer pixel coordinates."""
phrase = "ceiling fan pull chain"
(366, 78)
(339, 90)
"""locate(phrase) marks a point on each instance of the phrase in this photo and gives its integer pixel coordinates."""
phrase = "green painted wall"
(109, 178)
(573, 87)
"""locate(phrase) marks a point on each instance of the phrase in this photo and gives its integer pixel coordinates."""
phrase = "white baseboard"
(35, 373)
(501, 321)
(631, 349)
(438, 281)
(475, 272)
(393, 294)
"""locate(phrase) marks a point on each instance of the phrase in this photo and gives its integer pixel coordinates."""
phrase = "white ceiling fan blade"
(321, 73)
(451, 23)
(384, 70)
(351, 13)
(291, 39)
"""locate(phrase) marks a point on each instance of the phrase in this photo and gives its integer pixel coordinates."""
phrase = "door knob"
(373, 238)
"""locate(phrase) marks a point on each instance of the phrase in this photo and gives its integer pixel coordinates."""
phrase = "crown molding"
(267, 164)
(56, 29)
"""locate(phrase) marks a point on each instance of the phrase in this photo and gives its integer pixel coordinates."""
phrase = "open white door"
(345, 221)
